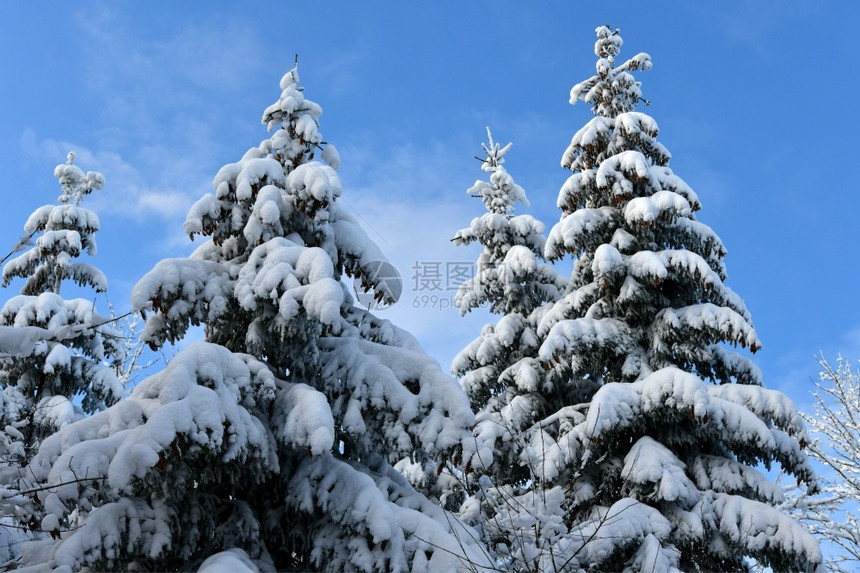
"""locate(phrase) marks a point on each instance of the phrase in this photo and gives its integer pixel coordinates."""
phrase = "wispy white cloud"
(164, 96)
(129, 192)
(751, 22)
(411, 201)
(796, 371)
(140, 72)
(343, 71)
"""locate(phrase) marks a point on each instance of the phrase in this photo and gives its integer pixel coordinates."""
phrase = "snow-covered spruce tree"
(655, 425)
(271, 444)
(56, 352)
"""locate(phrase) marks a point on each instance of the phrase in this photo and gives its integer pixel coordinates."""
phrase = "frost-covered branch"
(21, 245)
(833, 512)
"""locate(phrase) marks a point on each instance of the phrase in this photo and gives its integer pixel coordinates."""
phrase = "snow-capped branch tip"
(292, 76)
(495, 152)
(608, 45)
(74, 182)
(612, 90)
(22, 244)
(609, 42)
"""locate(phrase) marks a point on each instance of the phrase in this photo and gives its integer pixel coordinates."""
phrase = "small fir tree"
(499, 368)
(270, 445)
(56, 352)
(56, 355)
(511, 277)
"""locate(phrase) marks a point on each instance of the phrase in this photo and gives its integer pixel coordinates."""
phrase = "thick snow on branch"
(579, 229)
(651, 466)
(572, 337)
(63, 217)
(197, 401)
(395, 529)
(230, 561)
(716, 323)
(63, 342)
(289, 276)
(314, 186)
(722, 474)
(626, 523)
(759, 530)
(21, 340)
(726, 415)
(363, 259)
(621, 171)
(184, 290)
(415, 406)
(664, 205)
(594, 135)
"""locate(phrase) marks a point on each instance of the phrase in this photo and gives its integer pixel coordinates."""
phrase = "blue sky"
(754, 99)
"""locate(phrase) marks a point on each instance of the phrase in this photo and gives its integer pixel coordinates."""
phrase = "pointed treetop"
(608, 44)
(291, 78)
(613, 90)
(295, 122)
(495, 153)
(75, 184)
(501, 192)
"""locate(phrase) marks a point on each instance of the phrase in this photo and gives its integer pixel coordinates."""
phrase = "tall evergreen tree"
(271, 444)
(661, 454)
(640, 462)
